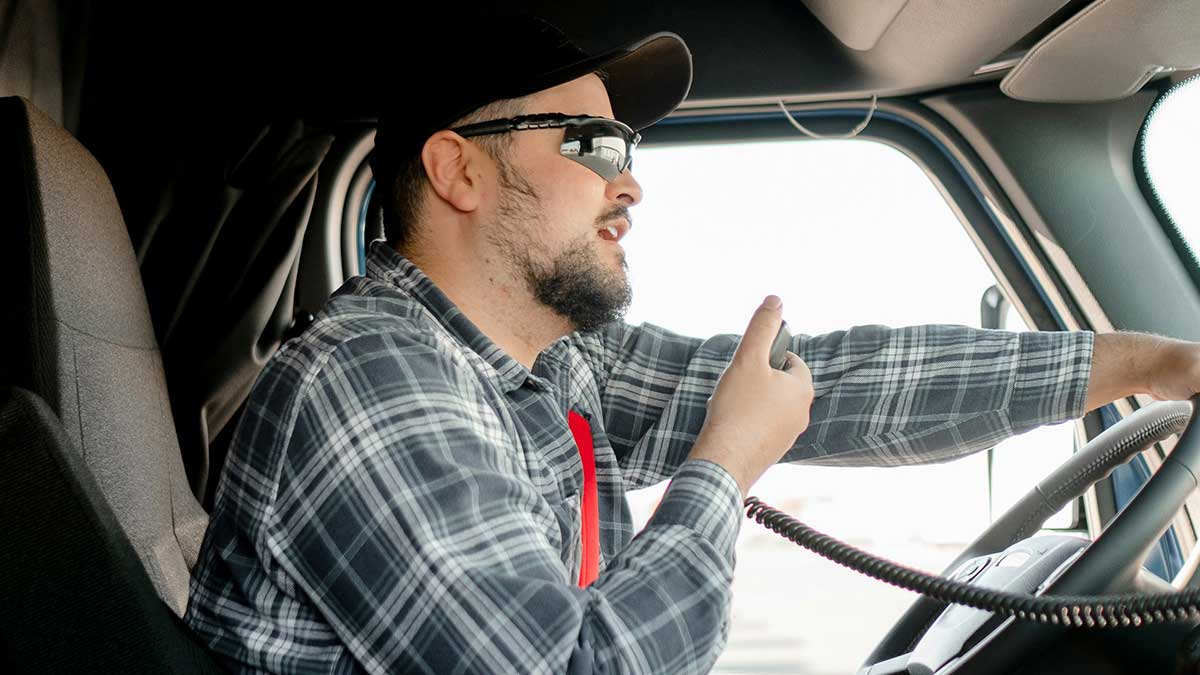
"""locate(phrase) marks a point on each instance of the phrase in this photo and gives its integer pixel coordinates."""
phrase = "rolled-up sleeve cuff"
(704, 497)
(1052, 377)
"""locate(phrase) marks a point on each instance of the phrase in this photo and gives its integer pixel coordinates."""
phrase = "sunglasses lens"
(611, 149)
(603, 166)
(603, 148)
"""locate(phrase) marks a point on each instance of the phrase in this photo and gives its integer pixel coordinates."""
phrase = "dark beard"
(576, 284)
(578, 287)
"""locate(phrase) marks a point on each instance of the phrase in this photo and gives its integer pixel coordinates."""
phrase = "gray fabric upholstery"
(858, 25)
(31, 53)
(75, 596)
(89, 350)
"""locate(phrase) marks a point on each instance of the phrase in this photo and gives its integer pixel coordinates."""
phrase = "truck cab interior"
(182, 188)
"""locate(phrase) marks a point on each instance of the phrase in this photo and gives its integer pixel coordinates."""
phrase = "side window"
(368, 224)
(1169, 150)
(847, 233)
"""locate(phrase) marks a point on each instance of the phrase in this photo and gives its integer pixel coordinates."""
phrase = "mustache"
(615, 213)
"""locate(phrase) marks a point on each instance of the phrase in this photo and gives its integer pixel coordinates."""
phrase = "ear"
(451, 166)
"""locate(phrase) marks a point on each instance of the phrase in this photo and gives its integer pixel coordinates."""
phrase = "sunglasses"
(602, 145)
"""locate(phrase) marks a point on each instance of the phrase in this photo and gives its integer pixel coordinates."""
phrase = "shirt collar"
(388, 266)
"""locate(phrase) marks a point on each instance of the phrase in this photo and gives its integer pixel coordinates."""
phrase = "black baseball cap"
(465, 67)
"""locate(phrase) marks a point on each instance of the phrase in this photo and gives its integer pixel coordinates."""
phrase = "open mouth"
(614, 231)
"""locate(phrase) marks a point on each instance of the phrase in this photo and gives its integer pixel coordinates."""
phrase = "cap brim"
(649, 79)
(646, 80)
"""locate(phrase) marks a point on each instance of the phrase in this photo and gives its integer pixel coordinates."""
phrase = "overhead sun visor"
(858, 25)
(1108, 51)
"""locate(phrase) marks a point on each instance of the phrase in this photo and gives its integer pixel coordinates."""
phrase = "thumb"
(756, 343)
(796, 367)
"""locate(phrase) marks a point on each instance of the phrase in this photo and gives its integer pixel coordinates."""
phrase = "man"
(431, 479)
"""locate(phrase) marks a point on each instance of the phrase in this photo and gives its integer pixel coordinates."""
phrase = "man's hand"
(1124, 364)
(756, 412)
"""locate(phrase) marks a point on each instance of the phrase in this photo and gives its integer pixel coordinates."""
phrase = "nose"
(625, 189)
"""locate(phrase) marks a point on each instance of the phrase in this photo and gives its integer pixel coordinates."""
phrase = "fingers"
(756, 342)
(796, 367)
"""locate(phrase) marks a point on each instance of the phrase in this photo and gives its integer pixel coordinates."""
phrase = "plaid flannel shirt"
(402, 496)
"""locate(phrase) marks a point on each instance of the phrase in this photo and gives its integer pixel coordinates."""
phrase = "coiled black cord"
(1095, 611)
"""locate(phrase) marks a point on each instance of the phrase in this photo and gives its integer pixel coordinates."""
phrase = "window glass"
(847, 233)
(1171, 151)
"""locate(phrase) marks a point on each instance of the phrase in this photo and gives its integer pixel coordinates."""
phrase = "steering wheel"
(1109, 563)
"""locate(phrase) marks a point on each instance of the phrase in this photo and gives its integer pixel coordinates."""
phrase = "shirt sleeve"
(884, 396)
(408, 519)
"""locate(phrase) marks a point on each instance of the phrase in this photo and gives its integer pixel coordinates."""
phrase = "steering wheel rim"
(1109, 560)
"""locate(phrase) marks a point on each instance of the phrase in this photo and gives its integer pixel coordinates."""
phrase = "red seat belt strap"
(589, 568)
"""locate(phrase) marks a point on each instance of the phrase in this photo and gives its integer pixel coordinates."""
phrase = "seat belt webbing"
(589, 567)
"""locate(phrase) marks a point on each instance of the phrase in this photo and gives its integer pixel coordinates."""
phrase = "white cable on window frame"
(824, 137)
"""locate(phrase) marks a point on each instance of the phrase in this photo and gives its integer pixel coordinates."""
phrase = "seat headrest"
(78, 335)
(72, 192)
